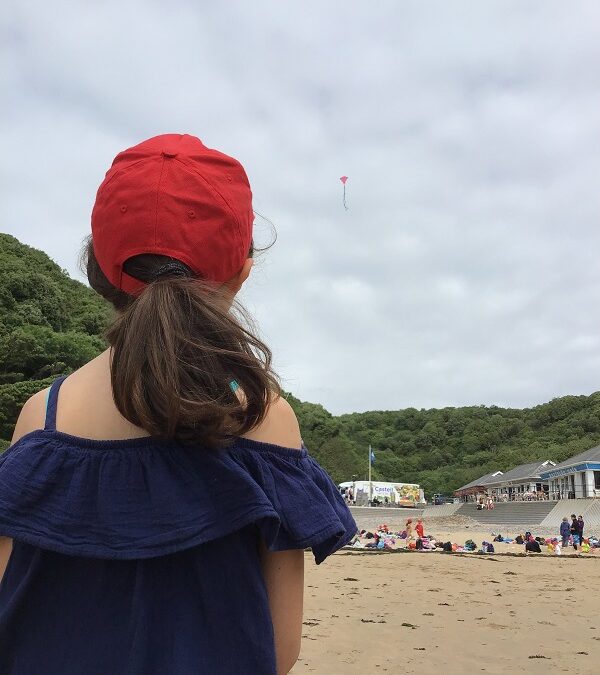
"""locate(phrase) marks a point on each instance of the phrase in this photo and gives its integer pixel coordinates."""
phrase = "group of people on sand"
(572, 532)
(414, 538)
(384, 538)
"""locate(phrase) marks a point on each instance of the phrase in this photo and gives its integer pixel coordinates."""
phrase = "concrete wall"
(393, 514)
(510, 513)
(588, 508)
(383, 514)
(531, 513)
(441, 511)
(592, 518)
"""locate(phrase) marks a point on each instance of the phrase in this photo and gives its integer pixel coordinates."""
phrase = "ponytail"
(178, 353)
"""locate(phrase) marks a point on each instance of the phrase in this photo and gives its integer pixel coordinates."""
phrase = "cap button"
(169, 153)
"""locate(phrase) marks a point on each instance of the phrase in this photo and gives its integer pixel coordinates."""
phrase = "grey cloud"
(464, 271)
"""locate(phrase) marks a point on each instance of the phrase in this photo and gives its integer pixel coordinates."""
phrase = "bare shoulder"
(279, 427)
(32, 415)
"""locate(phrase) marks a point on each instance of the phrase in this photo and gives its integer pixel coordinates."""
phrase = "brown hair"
(177, 348)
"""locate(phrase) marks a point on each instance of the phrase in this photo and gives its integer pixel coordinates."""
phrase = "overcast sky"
(466, 268)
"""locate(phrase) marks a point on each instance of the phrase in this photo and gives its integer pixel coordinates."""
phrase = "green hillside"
(444, 449)
(51, 324)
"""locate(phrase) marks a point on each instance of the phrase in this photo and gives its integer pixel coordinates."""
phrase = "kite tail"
(344, 199)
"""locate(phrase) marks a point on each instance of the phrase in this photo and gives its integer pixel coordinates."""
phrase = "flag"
(372, 458)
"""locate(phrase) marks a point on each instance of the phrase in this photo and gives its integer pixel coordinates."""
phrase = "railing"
(506, 498)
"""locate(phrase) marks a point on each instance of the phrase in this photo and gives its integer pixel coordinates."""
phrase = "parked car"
(438, 500)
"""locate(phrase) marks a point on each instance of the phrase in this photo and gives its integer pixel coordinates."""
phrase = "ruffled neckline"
(146, 497)
(148, 442)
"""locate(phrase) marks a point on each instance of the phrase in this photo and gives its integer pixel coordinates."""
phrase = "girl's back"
(155, 505)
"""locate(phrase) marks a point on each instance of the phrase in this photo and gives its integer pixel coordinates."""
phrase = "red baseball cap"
(173, 196)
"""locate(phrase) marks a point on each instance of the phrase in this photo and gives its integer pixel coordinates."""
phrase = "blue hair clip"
(234, 386)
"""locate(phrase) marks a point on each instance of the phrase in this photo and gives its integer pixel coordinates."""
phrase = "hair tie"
(173, 268)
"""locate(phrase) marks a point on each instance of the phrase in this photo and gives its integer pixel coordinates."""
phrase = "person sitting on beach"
(374, 543)
(565, 531)
(409, 530)
(532, 546)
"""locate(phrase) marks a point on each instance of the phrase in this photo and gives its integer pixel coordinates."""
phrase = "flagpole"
(370, 486)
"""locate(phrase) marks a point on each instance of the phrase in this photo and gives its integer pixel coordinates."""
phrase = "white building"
(577, 477)
(524, 482)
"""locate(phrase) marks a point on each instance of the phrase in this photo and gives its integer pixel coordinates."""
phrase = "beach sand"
(415, 612)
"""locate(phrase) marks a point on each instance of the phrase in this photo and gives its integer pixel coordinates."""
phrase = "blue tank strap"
(51, 403)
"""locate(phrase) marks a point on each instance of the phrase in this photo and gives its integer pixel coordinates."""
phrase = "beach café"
(577, 477)
(471, 492)
(523, 483)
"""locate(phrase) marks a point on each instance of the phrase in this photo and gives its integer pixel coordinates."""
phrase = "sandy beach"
(451, 613)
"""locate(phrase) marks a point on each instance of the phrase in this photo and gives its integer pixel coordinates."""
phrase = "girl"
(420, 528)
(155, 504)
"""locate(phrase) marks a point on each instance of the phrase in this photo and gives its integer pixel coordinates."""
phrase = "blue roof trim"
(549, 475)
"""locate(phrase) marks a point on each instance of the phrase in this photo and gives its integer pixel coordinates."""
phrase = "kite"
(344, 179)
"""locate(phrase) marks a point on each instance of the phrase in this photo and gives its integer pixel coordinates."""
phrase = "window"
(597, 480)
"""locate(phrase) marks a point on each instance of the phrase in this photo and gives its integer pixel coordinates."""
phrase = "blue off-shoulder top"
(141, 556)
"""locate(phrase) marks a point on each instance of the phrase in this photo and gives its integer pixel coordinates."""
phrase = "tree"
(49, 325)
